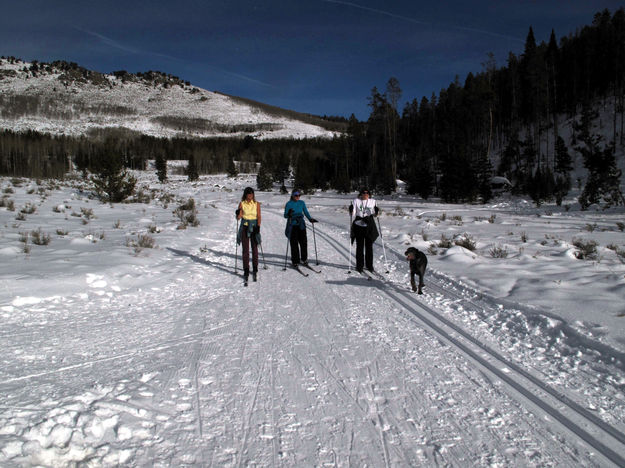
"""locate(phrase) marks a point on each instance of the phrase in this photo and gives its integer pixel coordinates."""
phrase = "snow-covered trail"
(331, 369)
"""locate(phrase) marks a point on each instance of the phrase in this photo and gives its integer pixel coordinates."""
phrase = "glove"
(376, 209)
(236, 212)
(313, 220)
(351, 209)
(256, 229)
(290, 213)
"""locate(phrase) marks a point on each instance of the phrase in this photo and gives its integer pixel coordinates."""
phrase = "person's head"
(364, 194)
(248, 194)
(295, 194)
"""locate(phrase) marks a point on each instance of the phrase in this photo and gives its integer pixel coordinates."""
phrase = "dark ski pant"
(364, 249)
(299, 245)
(245, 242)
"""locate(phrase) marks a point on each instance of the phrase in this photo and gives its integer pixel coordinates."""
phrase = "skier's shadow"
(204, 261)
(356, 280)
(228, 255)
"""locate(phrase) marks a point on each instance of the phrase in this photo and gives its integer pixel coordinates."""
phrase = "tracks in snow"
(524, 386)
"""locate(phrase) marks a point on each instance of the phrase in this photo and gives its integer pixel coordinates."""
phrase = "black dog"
(418, 262)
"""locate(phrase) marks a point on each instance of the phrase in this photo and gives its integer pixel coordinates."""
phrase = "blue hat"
(295, 193)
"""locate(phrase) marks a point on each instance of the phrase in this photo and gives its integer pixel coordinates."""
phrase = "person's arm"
(306, 213)
(287, 208)
(239, 212)
(258, 213)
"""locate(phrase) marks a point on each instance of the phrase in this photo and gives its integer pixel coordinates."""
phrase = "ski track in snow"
(328, 370)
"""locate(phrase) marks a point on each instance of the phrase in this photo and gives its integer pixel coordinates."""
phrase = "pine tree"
(603, 181)
(111, 181)
(483, 170)
(304, 172)
(264, 181)
(192, 172)
(161, 167)
(563, 167)
(420, 180)
(232, 168)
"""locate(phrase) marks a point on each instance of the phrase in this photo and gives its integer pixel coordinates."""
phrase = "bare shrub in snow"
(499, 251)
(445, 242)
(29, 208)
(187, 213)
(143, 241)
(467, 242)
(40, 237)
(587, 249)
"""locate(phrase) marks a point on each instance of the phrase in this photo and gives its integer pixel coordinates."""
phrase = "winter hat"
(295, 193)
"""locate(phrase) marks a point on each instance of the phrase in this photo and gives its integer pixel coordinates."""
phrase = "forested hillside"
(551, 117)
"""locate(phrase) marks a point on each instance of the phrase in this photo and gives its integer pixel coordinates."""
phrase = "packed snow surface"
(115, 352)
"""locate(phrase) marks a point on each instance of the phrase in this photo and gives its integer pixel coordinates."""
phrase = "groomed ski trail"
(332, 369)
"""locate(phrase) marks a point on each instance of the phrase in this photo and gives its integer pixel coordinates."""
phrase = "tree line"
(505, 121)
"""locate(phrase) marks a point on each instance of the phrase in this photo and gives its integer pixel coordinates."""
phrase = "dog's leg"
(412, 282)
(421, 284)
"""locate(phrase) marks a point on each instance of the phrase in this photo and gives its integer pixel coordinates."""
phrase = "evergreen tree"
(264, 181)
(232, 168)
(541, 185)
(603, 181)
(111, 181)
(483, 170)
(282, 170)
(304, 172)
(563, 167)
(161, 167)
(420, 180)
(192, 171)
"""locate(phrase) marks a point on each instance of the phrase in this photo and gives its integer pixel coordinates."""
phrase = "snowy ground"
(115, 354)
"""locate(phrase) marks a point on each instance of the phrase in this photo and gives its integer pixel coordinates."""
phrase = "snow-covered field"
(114, 354)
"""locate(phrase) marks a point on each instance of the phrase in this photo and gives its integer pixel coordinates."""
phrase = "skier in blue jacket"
(295, 210)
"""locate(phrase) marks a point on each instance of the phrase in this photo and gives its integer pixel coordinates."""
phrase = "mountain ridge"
(63, 98)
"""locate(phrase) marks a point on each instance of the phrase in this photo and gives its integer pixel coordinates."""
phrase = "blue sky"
(315, 56)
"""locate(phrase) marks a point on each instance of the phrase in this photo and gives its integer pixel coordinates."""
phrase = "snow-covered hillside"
(118, 351)
(63, 102)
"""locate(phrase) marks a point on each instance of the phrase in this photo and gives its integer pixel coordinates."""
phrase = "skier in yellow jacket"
(249, 231)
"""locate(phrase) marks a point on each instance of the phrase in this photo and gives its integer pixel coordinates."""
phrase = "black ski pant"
(246, 241)
(299, 245)
(364, 249)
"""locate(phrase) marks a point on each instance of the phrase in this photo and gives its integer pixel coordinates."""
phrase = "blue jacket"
(297, 217)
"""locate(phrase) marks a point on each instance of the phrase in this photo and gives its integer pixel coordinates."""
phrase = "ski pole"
(236, 249)
(261, 251)
(288, 241)
(383, 249)
(349, 239)
(315, 242)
